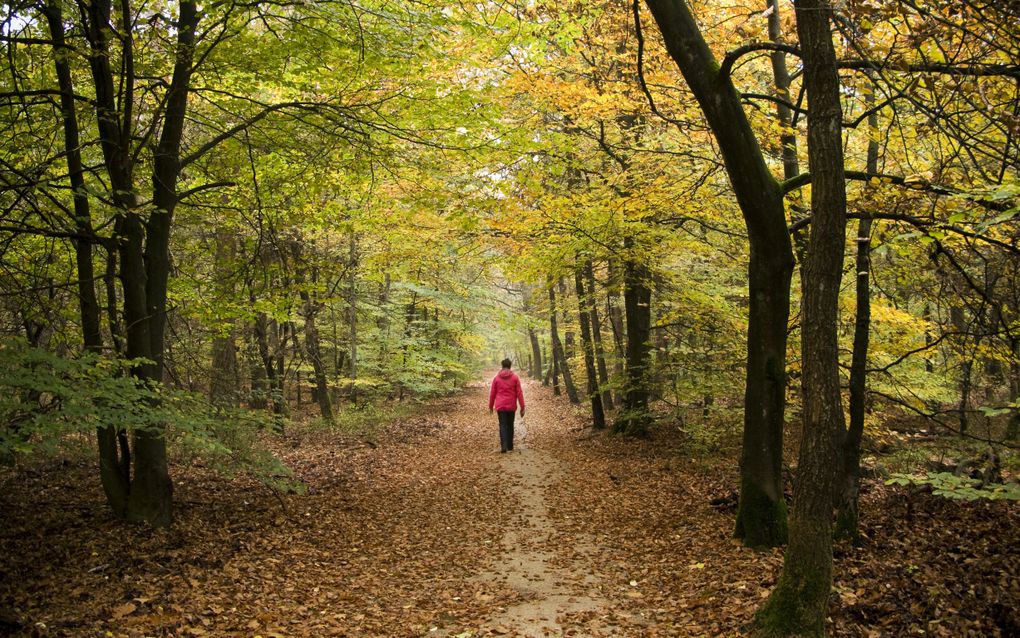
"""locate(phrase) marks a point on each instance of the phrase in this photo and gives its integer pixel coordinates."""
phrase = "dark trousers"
(506, 429)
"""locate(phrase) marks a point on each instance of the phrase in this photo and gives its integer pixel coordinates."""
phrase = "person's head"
(506, 364)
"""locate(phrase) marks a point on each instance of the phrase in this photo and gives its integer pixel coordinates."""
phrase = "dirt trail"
(549, 568)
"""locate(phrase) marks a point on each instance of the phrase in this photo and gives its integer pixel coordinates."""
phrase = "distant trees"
(141, 139)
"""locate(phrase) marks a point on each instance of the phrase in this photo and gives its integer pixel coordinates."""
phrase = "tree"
(797, 605)
(761, 516)
(584, 299)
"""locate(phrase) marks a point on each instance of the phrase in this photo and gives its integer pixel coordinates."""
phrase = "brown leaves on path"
(434, 533)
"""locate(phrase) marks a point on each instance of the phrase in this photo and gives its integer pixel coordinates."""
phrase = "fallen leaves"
(391, 540)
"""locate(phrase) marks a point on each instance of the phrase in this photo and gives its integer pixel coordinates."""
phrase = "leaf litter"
(432, 532)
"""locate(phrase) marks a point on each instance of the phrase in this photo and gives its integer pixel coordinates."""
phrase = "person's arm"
(520, 396)
(492, 394)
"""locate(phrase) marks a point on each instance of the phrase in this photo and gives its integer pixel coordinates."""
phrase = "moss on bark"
(792, 611)
(761, 520)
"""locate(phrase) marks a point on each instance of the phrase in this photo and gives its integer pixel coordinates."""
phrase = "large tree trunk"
(637, 299)
(596, 333)
(761, 516)
(560, 361)
(797, 605)
(150, 498)
(584, 303)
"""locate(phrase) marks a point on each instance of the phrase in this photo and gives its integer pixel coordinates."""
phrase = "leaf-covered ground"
(432, 532)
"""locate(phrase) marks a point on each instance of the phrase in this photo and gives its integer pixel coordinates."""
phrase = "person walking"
(505, 395)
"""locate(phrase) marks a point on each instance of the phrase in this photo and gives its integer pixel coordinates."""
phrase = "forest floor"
(428, 530)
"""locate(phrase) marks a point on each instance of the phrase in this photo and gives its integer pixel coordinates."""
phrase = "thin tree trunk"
(535, 370)
(1013, 426)
(561, 363)
(784, 115)
(614, 286)
(797, 605)
(596, 333)
(847, 509)
(536, 354)
(637, 297)
(352, 318)
(114, 469)
(958, 317)
(310, 309)
(224, 382)
(110, 277)
(584, 303)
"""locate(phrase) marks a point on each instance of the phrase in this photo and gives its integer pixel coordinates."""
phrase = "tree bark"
(614, 287)
(535, 370)
(797, 605)
(596, 333)
(1013, 425)
(309, 310)
(761, 515)
(847, 509)
(958, 317)
(114, 469)
(559, 361)
(584, 303)
(352, 316)
(784, 115)
(224, 381)
(637, 300)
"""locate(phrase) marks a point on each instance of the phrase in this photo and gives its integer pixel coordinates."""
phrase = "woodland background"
(215, 216)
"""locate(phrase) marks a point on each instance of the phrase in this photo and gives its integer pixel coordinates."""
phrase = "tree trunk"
(959, 319)
(352, 316)
(613, 291)
(797, 605)
(151, 491)
(637, 299)
(312, 348)
(847, 510)
(310, 308)
(560, 362)
(114, 469)
(224, 383)
(1013, 426)
(784, 115)
(584, 303)
(536, 354)
(535, 369)
(596, 333)
(761, 515)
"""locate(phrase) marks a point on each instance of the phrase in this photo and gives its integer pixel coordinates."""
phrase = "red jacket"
(506, 392)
